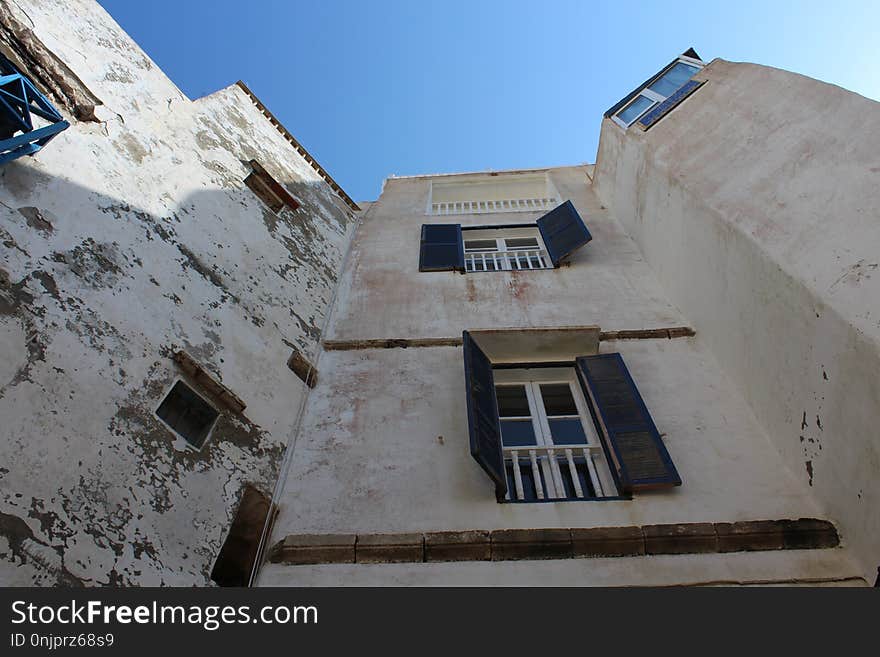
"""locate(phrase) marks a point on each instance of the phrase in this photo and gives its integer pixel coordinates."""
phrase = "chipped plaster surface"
(123, 241)
(776, 207)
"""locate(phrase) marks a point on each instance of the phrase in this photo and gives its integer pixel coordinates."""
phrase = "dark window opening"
(187, 414)
(241, 549)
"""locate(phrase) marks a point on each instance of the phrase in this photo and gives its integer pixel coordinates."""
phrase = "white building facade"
(661, 369)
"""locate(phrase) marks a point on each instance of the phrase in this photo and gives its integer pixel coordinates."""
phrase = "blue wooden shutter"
(482, 411)
(639, 455)
(442, 248)
(563, 231)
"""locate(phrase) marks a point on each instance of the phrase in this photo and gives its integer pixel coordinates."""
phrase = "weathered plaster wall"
(384, 448)
(756, 202)
(384, 444)
(608, 285)
(119, 242)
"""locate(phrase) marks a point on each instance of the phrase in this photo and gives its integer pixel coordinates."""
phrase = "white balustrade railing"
(506, 260)
(547, 462)
(505, 205)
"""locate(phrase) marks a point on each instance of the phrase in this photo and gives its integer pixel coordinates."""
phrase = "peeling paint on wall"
(123, 243)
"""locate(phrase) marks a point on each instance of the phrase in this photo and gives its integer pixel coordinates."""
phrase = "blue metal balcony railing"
(20, 103)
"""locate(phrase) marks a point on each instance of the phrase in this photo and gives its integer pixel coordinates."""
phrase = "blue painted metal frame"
(19, 99)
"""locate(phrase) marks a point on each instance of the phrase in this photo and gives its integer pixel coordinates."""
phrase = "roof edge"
(321, 171)
(489, 172)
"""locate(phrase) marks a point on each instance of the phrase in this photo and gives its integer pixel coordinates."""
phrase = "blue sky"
(373, 89)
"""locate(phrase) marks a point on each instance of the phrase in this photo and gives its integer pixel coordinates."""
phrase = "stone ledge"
(315, 549)
(808, 533)
(510, 544)
(608, 542)
(458, 546)
(208, 382)
(557, 543)
(390, 548)
(682, 538)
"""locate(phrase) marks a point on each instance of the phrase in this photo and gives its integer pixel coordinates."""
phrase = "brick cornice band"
(563, 543)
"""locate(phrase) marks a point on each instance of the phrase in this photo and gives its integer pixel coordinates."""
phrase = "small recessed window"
(187, 414)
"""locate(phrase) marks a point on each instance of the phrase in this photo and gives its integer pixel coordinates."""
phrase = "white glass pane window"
(635, 109)
(658, 91)
(504, 250)
(673, 79)
(551, 447)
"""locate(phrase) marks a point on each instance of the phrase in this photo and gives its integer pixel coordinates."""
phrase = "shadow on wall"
(95, 297)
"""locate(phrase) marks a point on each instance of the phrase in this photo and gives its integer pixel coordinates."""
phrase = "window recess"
(577, 432)
(658, 95)
(544, 244)
(186, 413)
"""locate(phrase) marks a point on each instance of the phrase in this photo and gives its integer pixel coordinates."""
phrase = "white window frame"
(546, 458)
(503, 257)
(652, 95)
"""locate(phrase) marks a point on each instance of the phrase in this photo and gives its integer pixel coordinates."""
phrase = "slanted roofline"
(490, 172)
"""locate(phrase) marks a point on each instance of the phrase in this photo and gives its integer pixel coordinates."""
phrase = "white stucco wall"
(384, 444)
(384, 448)
(608, 285)
(120, 242)
(756, 202)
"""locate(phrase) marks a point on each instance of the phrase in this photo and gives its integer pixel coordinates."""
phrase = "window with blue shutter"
(563, 231)
(482, 410)
(634, 444)
(442, 248)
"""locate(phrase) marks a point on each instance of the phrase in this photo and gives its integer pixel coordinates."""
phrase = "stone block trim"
(808, 533)
(406, 343)
(209, 383)
(509, 544)
(648, 334)
(682, 538)
(471, 545)
(315, 549)
(749, 536)
(608, 542)
(390, 548)
(557, 543)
